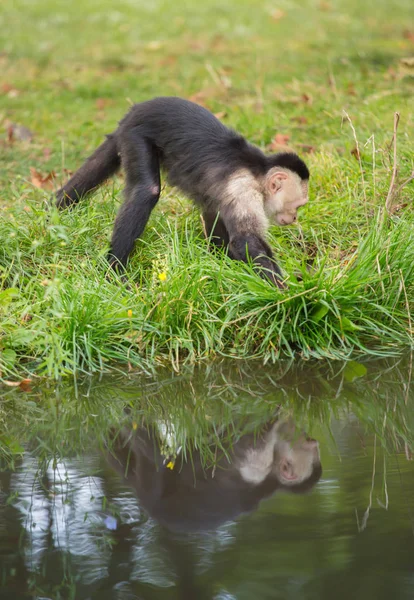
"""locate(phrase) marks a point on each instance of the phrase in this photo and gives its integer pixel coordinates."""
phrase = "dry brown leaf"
(220, 115)
(196, 45)
(200, 98)
(300, 119)
(24, 384)
(9, 90)
(45, 182)
(408, 34)
(303, 98)
(307, 148)
(356, 153)
(5, 88)
(277, 14)
(350, 90)
(307, 98)
(102, 103)
(168, 61)
(281, 139)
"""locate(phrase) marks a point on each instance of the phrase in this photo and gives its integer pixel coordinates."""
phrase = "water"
(183, 486)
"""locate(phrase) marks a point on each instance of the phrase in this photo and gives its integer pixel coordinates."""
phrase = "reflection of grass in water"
(208, 409)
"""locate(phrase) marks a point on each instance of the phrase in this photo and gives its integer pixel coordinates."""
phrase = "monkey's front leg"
(250, 245)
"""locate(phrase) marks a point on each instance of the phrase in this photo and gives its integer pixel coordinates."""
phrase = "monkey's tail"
(103, 163)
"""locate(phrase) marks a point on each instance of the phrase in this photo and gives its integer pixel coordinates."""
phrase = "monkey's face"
(295, 456)
(286, 192)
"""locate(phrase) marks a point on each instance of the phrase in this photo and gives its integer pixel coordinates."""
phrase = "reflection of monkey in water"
(192, 498)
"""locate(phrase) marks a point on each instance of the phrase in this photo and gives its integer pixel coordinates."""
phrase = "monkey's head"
(296, 456)
(285, 188)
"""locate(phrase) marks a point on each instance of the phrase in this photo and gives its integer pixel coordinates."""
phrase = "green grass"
(70, 71)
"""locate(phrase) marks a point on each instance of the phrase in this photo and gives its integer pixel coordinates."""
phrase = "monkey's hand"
(252, 246)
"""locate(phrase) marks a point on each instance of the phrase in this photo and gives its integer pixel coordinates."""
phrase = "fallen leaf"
(280, 139)
(356, 153)
(350, 90)
(196, 45)
(9, 90)
(307, 148)
(168, 61)
(220, 115)
(307, 98)
(200, 98)
(101, 103)
(300, 119)
(277, 14)
(408, 34)
(6, 88)
(24, 384)
(304, 98)
(45, 182)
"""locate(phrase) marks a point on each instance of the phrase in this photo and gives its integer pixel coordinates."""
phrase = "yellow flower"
(134, 426)
(170, 465)
(162, 276)
(129, 313)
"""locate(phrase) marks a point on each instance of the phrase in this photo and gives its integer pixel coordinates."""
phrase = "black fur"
(199, 155)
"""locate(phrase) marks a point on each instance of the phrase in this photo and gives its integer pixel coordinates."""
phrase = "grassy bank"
(289, 74)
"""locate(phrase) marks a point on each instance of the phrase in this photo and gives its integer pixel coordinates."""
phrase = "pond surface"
(237, 481)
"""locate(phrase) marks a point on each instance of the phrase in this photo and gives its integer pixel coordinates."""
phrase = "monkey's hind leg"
(142, 191)
(103, 163)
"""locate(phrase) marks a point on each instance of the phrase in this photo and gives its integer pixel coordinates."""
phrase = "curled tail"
(103, 163)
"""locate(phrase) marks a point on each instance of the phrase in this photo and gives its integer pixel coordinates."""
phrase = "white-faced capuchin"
(238, 188)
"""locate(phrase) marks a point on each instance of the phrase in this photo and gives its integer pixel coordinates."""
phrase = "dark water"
(240, 482)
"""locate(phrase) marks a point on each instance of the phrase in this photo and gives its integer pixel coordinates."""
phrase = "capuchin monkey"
(238, 188)
(183, 496)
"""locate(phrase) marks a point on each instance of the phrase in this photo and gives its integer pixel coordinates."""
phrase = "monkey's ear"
(275, 181)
